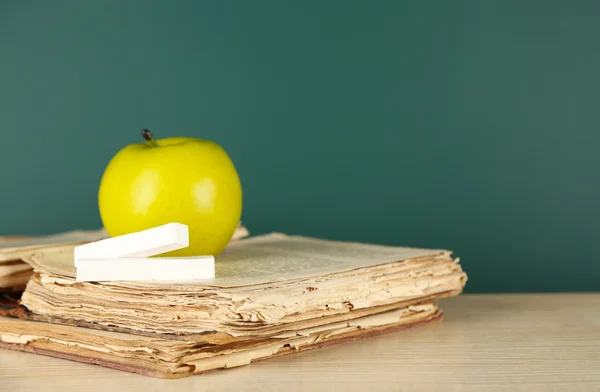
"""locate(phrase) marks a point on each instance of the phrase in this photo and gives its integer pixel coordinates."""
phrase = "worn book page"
(15, 249)
(278, 257)
(14, 277)
(267, 258)
(59, 260)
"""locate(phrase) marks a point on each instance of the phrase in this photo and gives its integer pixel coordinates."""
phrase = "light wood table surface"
(536, 342)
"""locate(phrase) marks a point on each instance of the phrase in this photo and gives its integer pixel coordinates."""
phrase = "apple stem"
(148, 136)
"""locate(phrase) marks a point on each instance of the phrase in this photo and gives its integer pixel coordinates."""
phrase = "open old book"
(273, 294)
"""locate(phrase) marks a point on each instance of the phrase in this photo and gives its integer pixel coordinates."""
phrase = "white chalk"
(127, 257)
(156, 268)
(146, 243)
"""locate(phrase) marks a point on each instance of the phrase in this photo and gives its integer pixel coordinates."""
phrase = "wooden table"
(536, 342)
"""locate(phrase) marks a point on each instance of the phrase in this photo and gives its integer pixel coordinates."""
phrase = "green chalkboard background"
(469, 125)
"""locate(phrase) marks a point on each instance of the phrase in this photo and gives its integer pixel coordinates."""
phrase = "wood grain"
(486, 342)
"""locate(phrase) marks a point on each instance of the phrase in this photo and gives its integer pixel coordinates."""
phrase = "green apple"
(178, 179)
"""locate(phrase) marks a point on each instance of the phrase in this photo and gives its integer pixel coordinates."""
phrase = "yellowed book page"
(267, 258)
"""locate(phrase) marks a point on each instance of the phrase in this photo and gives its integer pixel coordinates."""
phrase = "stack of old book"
(273, 294)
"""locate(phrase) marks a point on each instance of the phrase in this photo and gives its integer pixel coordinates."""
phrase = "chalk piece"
(146, 243)
(157, 268)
